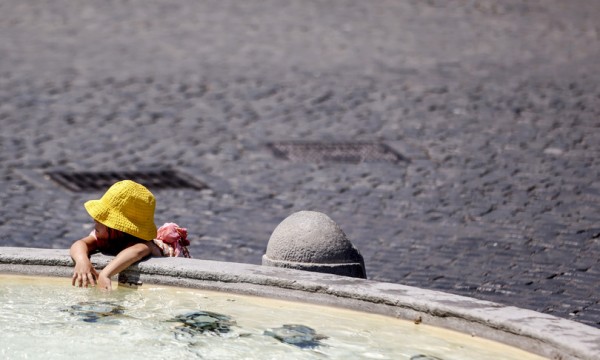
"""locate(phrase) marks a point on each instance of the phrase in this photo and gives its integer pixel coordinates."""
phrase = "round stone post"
(311, 241)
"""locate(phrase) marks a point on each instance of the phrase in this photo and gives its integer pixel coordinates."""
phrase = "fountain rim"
(538, 333)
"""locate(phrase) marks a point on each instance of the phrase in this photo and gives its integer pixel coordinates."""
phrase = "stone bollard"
(311, 241)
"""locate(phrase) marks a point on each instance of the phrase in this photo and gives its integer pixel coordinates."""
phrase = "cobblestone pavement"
(494, 104)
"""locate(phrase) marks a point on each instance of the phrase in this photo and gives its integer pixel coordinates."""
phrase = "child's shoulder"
(91, 241)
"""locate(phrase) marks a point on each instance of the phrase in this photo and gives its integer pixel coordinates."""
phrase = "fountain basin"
(541, 334)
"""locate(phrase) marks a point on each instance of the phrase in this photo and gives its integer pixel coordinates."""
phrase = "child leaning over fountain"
(124, 227)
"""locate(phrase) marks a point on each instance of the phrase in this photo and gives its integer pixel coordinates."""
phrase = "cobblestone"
(495, 105)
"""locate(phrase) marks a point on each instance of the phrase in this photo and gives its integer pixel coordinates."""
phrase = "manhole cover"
(91, 181)
(351, 152)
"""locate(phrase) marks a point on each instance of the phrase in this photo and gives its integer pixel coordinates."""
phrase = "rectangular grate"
(348, 152)
(153, 180)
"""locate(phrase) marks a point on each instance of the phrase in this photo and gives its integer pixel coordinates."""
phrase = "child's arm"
(126, 257)
(84, 273)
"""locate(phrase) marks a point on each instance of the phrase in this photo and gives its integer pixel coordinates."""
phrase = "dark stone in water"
(200, 322)
(297, 335)
(94, 311)
(424, 357)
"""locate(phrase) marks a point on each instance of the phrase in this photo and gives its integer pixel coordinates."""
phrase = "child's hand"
(104, 283)
(84, 275)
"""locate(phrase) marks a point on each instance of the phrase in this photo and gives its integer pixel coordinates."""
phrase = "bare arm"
(84, 273)
(122, 261)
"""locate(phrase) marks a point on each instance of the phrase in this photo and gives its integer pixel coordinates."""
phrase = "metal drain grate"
(351, 152)
(153, 180)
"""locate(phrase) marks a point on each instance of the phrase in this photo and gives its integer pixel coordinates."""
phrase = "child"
(124, 227)
(172, 240)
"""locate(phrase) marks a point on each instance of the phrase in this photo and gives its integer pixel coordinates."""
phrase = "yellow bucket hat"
(128, 207)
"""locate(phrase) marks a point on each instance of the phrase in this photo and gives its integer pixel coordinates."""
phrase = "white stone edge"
(542, 334)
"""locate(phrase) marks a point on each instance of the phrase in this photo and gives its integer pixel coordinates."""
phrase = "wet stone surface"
(298, 335)
(203, 322)
(424, 357)
(495, 106)
(96, 311)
